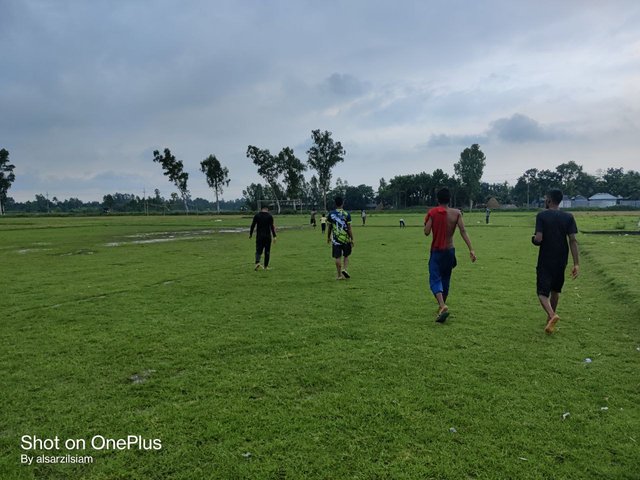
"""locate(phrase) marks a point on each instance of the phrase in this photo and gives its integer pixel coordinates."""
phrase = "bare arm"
(329, 230)
(537, 239)
(465, 237)
(573, 246)
(350, 233)
(427, 226)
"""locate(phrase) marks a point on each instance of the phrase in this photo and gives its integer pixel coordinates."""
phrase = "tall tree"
(323, 156)
(469, 168)
(614, 181)
(268, 168)
(313, 194)
(252, 194)
(174, 169)
(292, 169)
(7, 177)
(569, 173)
(548, 180)
(217, 176)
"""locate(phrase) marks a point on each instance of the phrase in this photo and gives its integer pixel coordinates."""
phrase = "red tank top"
(438, 217)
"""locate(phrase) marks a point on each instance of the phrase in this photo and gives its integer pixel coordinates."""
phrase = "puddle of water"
(141, 377)
(160, 237)
(78, 252)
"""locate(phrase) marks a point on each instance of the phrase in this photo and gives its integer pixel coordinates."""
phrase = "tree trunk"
(217, 202)
(324, 199)
(1, 207)
(186, 207)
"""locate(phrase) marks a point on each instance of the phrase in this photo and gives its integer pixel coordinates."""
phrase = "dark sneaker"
(443, 313)
(345, 274)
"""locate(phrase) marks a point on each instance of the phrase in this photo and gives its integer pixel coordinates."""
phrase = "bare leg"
(338, 268)
(346, 262)
(546, 305)
(553, 300)
(443, 310)
(440, 299)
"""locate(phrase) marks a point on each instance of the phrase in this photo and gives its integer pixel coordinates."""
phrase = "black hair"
(555, 195)
(444, 196)
(339, 201)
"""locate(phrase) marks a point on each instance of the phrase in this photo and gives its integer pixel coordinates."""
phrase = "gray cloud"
(515, 129)
(521, 129)
(345, 85)
(89, 88)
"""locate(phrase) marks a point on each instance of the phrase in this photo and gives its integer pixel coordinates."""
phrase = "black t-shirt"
(264, 222)
(555, 226)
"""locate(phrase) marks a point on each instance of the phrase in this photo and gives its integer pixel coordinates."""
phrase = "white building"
(603, 200)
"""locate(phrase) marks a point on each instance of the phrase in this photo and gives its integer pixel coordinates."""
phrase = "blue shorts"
(441, 264)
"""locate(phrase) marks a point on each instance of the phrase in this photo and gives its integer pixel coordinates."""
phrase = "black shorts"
(549, 279)
(341, 250)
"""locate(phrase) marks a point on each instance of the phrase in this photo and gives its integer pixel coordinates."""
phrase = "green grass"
(290, 374)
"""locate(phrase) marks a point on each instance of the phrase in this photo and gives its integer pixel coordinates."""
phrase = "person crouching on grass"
(553, 227)
(341, 237)
(442, 222)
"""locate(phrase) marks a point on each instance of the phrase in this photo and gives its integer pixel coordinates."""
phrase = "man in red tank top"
(441, 221)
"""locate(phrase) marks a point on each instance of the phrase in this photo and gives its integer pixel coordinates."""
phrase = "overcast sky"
(88, 89)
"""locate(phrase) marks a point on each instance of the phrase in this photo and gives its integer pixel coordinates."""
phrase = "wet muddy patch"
(161, 237)
(82, 251)
(141, 377)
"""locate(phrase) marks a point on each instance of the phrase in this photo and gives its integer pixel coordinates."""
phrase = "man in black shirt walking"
(553, 227)
(264, 221)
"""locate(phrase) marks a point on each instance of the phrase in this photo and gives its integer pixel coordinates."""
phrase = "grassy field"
(159, 327)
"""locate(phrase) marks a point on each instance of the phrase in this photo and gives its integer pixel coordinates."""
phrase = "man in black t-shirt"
(264, 221)
(553, 227)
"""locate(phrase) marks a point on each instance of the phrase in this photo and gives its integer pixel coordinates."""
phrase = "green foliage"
(7, 177)
(269, 168)
(292, 168)
(572, 180)
(174, 169)
(469, 169)
(323, 156)
(217, 176)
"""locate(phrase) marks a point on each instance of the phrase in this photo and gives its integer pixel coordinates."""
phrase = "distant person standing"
(402, 225)
(323, 222)
(364, 217)
(442, 222)
(313, 218)
(487, 213)
(266, 229)
(553, 228)
(341, 238)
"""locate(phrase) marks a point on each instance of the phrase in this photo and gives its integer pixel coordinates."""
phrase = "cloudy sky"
(88, 89)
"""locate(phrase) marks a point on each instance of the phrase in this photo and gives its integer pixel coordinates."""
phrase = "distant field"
(159, 327)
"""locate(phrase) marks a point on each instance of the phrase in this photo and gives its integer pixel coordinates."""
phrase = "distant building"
(630, 203)
(603, 200)
(579, 201)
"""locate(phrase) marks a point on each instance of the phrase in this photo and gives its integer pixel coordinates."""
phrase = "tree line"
(284, 180)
